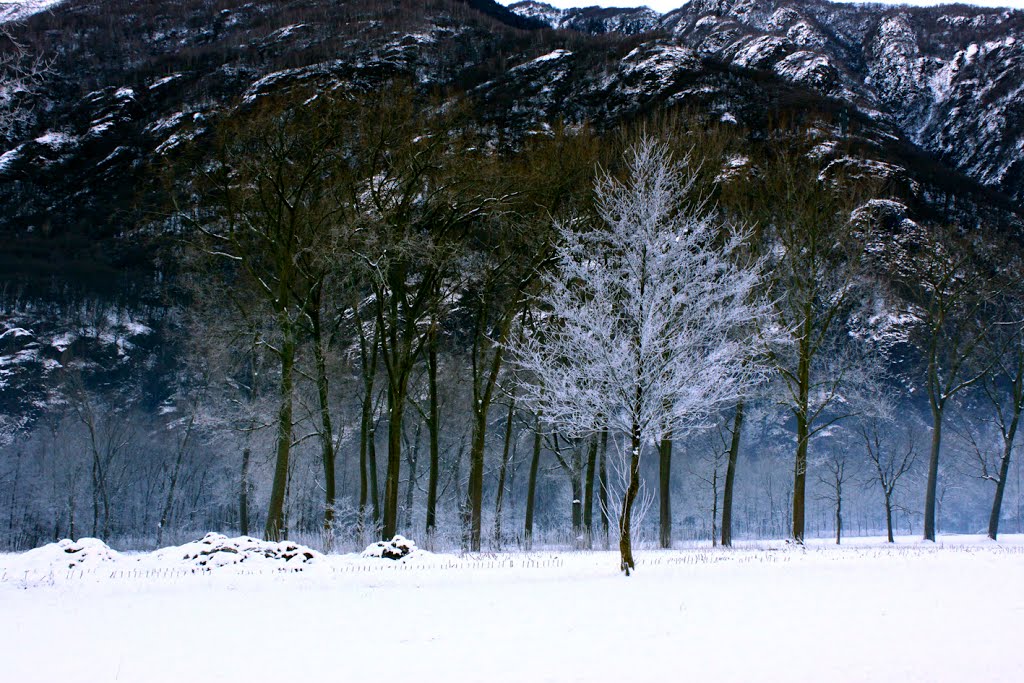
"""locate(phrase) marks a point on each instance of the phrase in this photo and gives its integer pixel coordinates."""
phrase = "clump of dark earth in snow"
(217, 550)
(397, 548)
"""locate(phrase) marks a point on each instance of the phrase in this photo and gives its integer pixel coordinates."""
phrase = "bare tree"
(947, 289)
(272, 206)
(891, 461)
(19, 68)
(834, 479)
(1004, 388)
(816, 256)
(707, 467)
(640, 313)
(514, 244)
(418, 201)
(187, 426)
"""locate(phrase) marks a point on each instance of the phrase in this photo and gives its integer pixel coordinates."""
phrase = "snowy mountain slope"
(910, 97)
(11, 10)
(949, 78)
(593, 20)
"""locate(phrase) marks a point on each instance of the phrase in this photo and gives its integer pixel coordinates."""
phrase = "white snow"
(652, 68)
(286, 31)
(805, 67)
(758, 52)
(100, 128)
(19, 10)
(217, 551)
(8, 158)
(863, 612)
(63, 341)
(823, 149)
(55, 139)
(549, 57)
(164, 81)
(15, 332)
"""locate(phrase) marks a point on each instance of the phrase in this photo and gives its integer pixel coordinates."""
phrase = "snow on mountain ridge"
(593, 20)
(11, 10)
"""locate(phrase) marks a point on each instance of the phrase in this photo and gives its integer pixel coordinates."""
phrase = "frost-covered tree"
(639, 317)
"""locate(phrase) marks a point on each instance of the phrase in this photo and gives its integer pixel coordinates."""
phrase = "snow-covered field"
(863, 612)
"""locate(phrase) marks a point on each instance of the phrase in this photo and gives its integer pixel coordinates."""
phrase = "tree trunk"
(363, 474)
(588, 496)
(165, 514)
(99, 485)
(410, 487)
(800, 481)
(665, 490)
(714, 505)
(502, 473)
(95, 501)
(434, 433)
(531, 486)
(803, 428)
(326, 429)
(1004, 472)
(632, 489)
(888, 518)
(483, 391)
(730, 476)
(243, 495)
(933, 475)
(602, 488)
(371, 456)
(576, 483)
(275, 511)
(839, 513)
(396, 409)
(476, 477)
(106, 512)
(367, 449)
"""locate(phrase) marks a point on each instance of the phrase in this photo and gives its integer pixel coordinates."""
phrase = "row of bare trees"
(383, 226)
(365, 271)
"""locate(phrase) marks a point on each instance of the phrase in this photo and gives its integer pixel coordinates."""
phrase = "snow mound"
(68, 554)
(217, 550)
(397, 548)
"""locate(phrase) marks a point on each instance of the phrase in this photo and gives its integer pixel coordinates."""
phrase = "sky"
(667, 5)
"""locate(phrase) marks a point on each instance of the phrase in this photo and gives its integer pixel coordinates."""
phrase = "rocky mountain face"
(592, 20)
(950, 79)
(928, 101)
